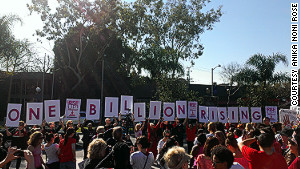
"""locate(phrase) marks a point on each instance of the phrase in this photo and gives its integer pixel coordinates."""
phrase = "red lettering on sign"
(36, 115)
(256, 117)
(222, 114)
(92, 109)
(168, 115)
(139, 115)
(244, 114)
(154, 110)
(17, 117)
(51, 109)
(203, 114)
(181, 109)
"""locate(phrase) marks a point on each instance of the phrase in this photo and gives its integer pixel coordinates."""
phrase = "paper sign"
(93, 109)
(155, 110)
(72, 109)
(192, 110)
(244, 115)
(52, 110)
(111, 106)
(126, 104)
(203, 114)
(213, 114)
(222, 114)
(256, 116)
(139, 112)
(181, 109)
(233, 114)
(169, 111)
(271, 112)
(288, 117)
(13, 115)
(34, 113)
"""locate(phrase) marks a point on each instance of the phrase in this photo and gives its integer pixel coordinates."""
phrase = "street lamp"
(38, 90)
(212, 79)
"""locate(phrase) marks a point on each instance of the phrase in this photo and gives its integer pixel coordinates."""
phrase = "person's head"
(166, 133)
(209, 144)
(142, 142)
(177, 122)
(118, 133)
(221, 137)
(265, 140)
(90, 126)
(97, 149)
(177, 158)
(211, 127)
(220, 127)
(52, 125)
(35, 139)
(285, 134)
(238, 132)
(137, 127)
(107, 121)
(152, 126)
(165, 122)
(100, 129)
(231, 143)
(201, 139)
(293, 146)
(69, 123)
(221, 157)
(248, 127)
(266, 121)
(21, 125)
(49, 137)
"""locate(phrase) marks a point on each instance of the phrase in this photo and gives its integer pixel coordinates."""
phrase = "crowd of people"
(183, 144)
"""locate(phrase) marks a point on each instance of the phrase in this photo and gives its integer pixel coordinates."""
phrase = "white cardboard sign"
(13, 115)
(155, 110)
(192, 110)
(244, 115)
(126, 104)
(271, 112)
(288, 117)
(34, 113)
(111, 106)
(256, 115)
(213, 114)
(169, 111)
(72, 109)
(52, 110)
(139, 112)
(233, 114)
(181, 109)
(203, 114)
(222, 114)
(93, 109)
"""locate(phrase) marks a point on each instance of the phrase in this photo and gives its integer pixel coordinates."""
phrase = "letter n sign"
(34, 113)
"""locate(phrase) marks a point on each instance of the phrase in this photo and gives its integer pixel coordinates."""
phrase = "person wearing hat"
(87, 136)
(177, 158)
(284, 135)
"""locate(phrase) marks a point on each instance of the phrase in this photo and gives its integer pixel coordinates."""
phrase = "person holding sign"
(178, 131)
(87, 136)
(18, 139)
(190, 133)
(152, 136)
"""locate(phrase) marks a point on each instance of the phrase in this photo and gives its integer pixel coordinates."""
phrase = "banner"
(34, 113)
(111, 106)
(126, 104)
(222, 114)
(181, 109)
(52, 110)
(13, 115)
(288, 117)
(203, 114)
(213, 114)
(139, 112)
(256, 116)
(93, 109)
(192, 110)
(155, 110)
(271, 112)
(233, 114)
(244, 115)
(72, 109)
(169, 111)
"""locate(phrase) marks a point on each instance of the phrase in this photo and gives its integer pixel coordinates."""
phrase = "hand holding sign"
(286, 120)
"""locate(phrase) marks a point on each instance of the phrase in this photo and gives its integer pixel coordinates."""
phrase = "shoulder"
(236, 166)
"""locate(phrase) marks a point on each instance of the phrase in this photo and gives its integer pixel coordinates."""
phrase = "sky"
(245, 28)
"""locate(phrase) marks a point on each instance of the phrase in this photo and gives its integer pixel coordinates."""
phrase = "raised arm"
(246, 142)
(143, 125)
(115, 122)
(185, 121)
(7, 132)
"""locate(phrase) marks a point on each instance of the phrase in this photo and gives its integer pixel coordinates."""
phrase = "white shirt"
(236, 165)
(138, 160)
(160, 144)
(51, 153)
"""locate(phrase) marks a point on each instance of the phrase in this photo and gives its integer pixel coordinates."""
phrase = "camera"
(19, 153)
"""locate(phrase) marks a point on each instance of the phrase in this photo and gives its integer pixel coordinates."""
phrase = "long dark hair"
(70, 131)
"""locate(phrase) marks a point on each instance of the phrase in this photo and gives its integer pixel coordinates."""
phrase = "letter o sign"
(17, 116)
(168, 115)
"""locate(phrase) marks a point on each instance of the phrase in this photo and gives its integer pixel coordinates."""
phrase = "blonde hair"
(34, 138)
(176, 157)
(96, 149)
(211, 127)
(136, 127)
(68, 122)
(248, 127)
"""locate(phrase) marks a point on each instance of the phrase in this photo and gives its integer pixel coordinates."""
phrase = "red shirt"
(66, 150)
(295, 164)
(190, 133)
(261, 160)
